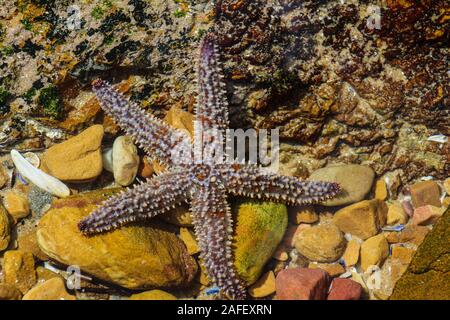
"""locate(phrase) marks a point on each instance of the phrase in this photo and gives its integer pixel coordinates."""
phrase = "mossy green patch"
(260, 227)
(428, 275)
(51, 102)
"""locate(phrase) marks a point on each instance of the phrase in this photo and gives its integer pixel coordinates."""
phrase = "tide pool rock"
(374, 251)
(153, 295)
(355, 181)
(302, 284)
(125, 160)
(18, 269)
(4, 228)
(52, 289)
(9, 292)
(322, 243)
(260, 227)
(138, 256)
(425, 193)
(363, 219)
(264, 287)
(345, 289)
(78, 159)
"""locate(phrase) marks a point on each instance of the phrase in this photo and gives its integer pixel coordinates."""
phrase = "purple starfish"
(204, 183)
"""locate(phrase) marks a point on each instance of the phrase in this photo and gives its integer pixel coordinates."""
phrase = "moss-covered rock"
(428, 275)
(260, 226)
(137, 256)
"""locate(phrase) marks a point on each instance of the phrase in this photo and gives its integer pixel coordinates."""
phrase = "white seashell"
(38, 177)
(107, 157)
(439, 138)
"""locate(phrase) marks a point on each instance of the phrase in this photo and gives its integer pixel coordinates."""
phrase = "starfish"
(206, 183)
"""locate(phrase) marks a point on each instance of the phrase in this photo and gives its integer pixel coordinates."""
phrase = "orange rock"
(333, 269)
(303, 214)
(351, 254)
(381, 192)
(18, 269)
(404, 254)
(17, 205)
(52, 289)
(426, 215)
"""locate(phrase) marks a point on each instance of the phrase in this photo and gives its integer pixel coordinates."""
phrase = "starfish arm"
(211, 120)
(213, 228)
(156, 196)
(254, 182)
(158, 139)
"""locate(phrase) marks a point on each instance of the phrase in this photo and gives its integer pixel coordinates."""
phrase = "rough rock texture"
(260, 226)
(339, 86)
(76, 159)
(322, 243)
(302, 284)
(355, 181)
(345, 289)
(138, 256)
(153, 295)
(428, 275)
(4, 228)
(18, 269)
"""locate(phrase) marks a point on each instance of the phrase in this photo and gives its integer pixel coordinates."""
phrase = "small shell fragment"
(38, 177)
(439, 138)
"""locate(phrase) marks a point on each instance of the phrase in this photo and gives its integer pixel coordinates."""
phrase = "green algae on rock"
(4, 228)
(428, 275)
(139, 256)
(260, 227)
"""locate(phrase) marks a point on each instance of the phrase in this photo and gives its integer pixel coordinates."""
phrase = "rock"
(428, 275)
(9, 292)
(179, 216)
(107, 159)
(137, 256)
(351, 254)
(363, 219)
(153, 295)
(280, 254)
(402, 253)
(264, 287)
(291, 234)
(411, 233)
(4, 179)
(303, 214)
(322, 243)
(425, 193)
(389, 274)
(188, 237)
(125, 160)
(396, 215)
(27, 242)
(333, 269)
(145, 168)
(446, 185)
(17, 205)
(52, 289)
(4, 228)
(426, 215)
(260, 226)
(302, 284)
(44, 274)
(78, 159)
(381, 192)
(180, 119)
(374, 251)
(408, 207)
(345, 289)
(18, 269)
(355, 181)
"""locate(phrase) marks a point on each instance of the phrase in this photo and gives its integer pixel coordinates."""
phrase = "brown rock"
(426, 215)
(179, 216)
(363, 219)
(322, 243)
(351, 254)
(396, 215)
(345, 289)
(333, 269)
(153, 295)
(404, 254)
(18, 269)
(374, 251)
(4, 228)
(264, 286)
(302, 284)
(411, 233)
(292, 233)
(425, 193)
(180, 119)
(188, 237)
(3, 177)
(27, 242)
(446, 185)
(17, 205)
(381, 192)
(52, 289)
(303, 214)
(280, 254)
(78, 159)
(9, 292)
(145, 168)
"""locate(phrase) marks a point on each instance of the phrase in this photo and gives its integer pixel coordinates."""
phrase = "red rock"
(426, 215)
(344, 289)
(302, 284)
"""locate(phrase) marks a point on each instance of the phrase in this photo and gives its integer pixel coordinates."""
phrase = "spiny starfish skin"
(205, 184)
